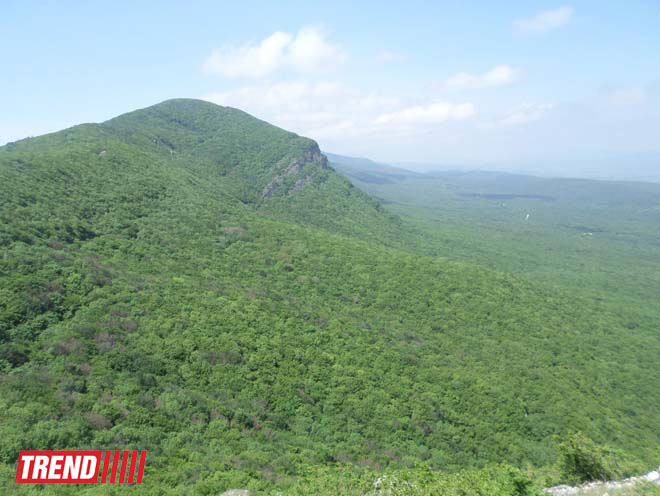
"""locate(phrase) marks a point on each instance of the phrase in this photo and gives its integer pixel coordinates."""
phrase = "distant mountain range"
(643, 167)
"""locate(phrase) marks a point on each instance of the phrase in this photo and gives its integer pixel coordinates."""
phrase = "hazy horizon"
(650, 173)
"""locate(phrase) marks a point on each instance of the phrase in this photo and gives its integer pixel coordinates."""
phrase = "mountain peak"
(197, 115)
(230, 153)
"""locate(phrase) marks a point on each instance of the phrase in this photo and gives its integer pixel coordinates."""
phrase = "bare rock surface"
(598, 487)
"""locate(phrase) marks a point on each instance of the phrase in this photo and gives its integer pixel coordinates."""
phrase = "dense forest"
(600, 239)
(193, 281)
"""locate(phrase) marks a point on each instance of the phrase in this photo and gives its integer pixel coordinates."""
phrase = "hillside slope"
(168, 284)
(597, 238)
(277, 172)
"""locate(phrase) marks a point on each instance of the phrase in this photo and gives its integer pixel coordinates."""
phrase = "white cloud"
(292, 97)
(249, 60)
(311, 109)
(499, 75)
(306, 52)
(526, 112)
(545, 20)
(309, 51)
(332, 110)
(432, 113)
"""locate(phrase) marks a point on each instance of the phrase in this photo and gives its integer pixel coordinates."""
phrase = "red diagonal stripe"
(143, 458)
(106, 465)
(115, 461)
(122, 472)
(131, 470)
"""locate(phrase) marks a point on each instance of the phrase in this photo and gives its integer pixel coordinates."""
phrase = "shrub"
(581, 460)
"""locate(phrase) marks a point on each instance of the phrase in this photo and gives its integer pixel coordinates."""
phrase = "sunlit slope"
(279, 173)
(599, 239)
(153, 297)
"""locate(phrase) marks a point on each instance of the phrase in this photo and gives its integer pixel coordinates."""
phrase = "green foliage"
(581, 460)
(154, 297)
(597, 238)
(420, 481)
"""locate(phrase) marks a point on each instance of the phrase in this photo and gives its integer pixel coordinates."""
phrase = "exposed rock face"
(236, 492)
(269, 189)
(299, 166)
(594, 488)
(301, 183)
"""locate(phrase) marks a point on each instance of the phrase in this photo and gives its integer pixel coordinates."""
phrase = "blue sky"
(550, 87)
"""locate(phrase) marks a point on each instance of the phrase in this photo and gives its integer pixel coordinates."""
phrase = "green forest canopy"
(192, 281)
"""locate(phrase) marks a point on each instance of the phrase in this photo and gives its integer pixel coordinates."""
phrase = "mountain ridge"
(153, 298)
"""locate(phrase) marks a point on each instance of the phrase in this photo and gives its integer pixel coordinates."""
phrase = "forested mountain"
(192, 281)
(368, 171)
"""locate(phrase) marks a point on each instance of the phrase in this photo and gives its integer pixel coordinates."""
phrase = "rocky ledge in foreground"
(564, 490)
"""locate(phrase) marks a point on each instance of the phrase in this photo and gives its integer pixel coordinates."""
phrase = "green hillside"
(192, 281)
(598, 238)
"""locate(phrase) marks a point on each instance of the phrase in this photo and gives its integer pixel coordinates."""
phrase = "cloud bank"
(498, 76)
(432, 113)
(331, 109)
(545, 20)
(307, 51)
